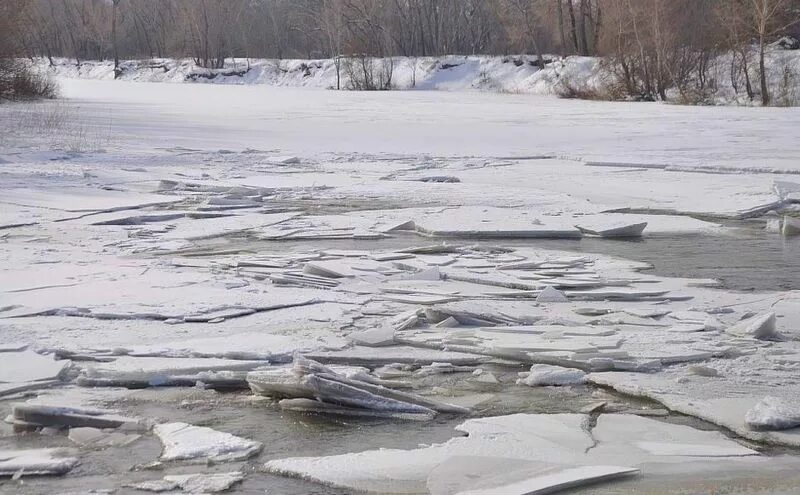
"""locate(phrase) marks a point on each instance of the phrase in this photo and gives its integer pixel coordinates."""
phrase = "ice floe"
(34, 462)
(192, 483)
(183, 441)
(562, 440)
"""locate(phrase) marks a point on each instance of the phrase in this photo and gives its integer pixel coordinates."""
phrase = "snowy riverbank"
(501, 74)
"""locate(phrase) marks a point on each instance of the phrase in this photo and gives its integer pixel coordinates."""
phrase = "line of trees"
(654, 44)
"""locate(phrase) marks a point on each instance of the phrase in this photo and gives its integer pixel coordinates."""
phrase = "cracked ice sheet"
(148, 115)
(558, 439)
(717, 194)
(84, 200)
(722, 400)
(159, 294)
(262, 333)
(199, 229)
(28, 366)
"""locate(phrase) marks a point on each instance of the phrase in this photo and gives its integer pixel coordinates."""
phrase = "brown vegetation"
(655, 46)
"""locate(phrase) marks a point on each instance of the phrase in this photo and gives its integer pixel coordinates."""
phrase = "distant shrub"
(368, 73)
(20, 81)
(607, 90)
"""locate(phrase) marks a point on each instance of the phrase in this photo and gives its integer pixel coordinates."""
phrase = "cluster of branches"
(18, 79)
(657, 45)
(211, 30)
(653, 44)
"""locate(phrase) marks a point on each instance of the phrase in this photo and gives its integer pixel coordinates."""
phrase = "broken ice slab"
(309, 379)
(86, 199)
(375, 337)
(773, 413)
(551, 295)
(196, 230)
(98, 438)
(618, 231)
(505, 476)
(192, 483)
(15, 388)
(543, 375)
(59, 416)
(13, 346)
(142, 372)
(129, 219)
(182, 441)
(319, 407)
(330, 269)
(791, 226)
(374, 357)
(760, 327)
(279, 382)
(616, 433)
(618, 295)
(561, 439)
(29, 366)
(723, 401)
(35, 462)
(554, 480)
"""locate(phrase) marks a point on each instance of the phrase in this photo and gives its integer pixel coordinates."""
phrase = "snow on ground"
(221, 230)
(509, 74)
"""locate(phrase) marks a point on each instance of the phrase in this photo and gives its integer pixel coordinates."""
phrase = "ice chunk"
(193, 483)
(330, 269)
(318, 407)
(791, 226)
(94, 437)
(772, 413)
(28, 366)
(542, 375)
(283, 160)
(182, 441)
(350, 396)
(309, 379)
(758, 327)
(76, 417)
(279, 382)
(556, 479)
(551, 295)
(615, 231)
(489, 475)
(34, 462)
(618, 435)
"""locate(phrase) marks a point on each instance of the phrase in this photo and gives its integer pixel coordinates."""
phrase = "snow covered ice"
(324, 285)
(186, 442)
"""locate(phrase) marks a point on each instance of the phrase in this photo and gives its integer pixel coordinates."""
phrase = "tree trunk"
(114, 47)
(561, 31)
(584, 40)
(573, 26)
(766, 99)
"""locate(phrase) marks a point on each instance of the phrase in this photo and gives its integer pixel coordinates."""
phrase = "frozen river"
(166, 240)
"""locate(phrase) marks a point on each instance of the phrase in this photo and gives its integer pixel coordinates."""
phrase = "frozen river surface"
(169, 247)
